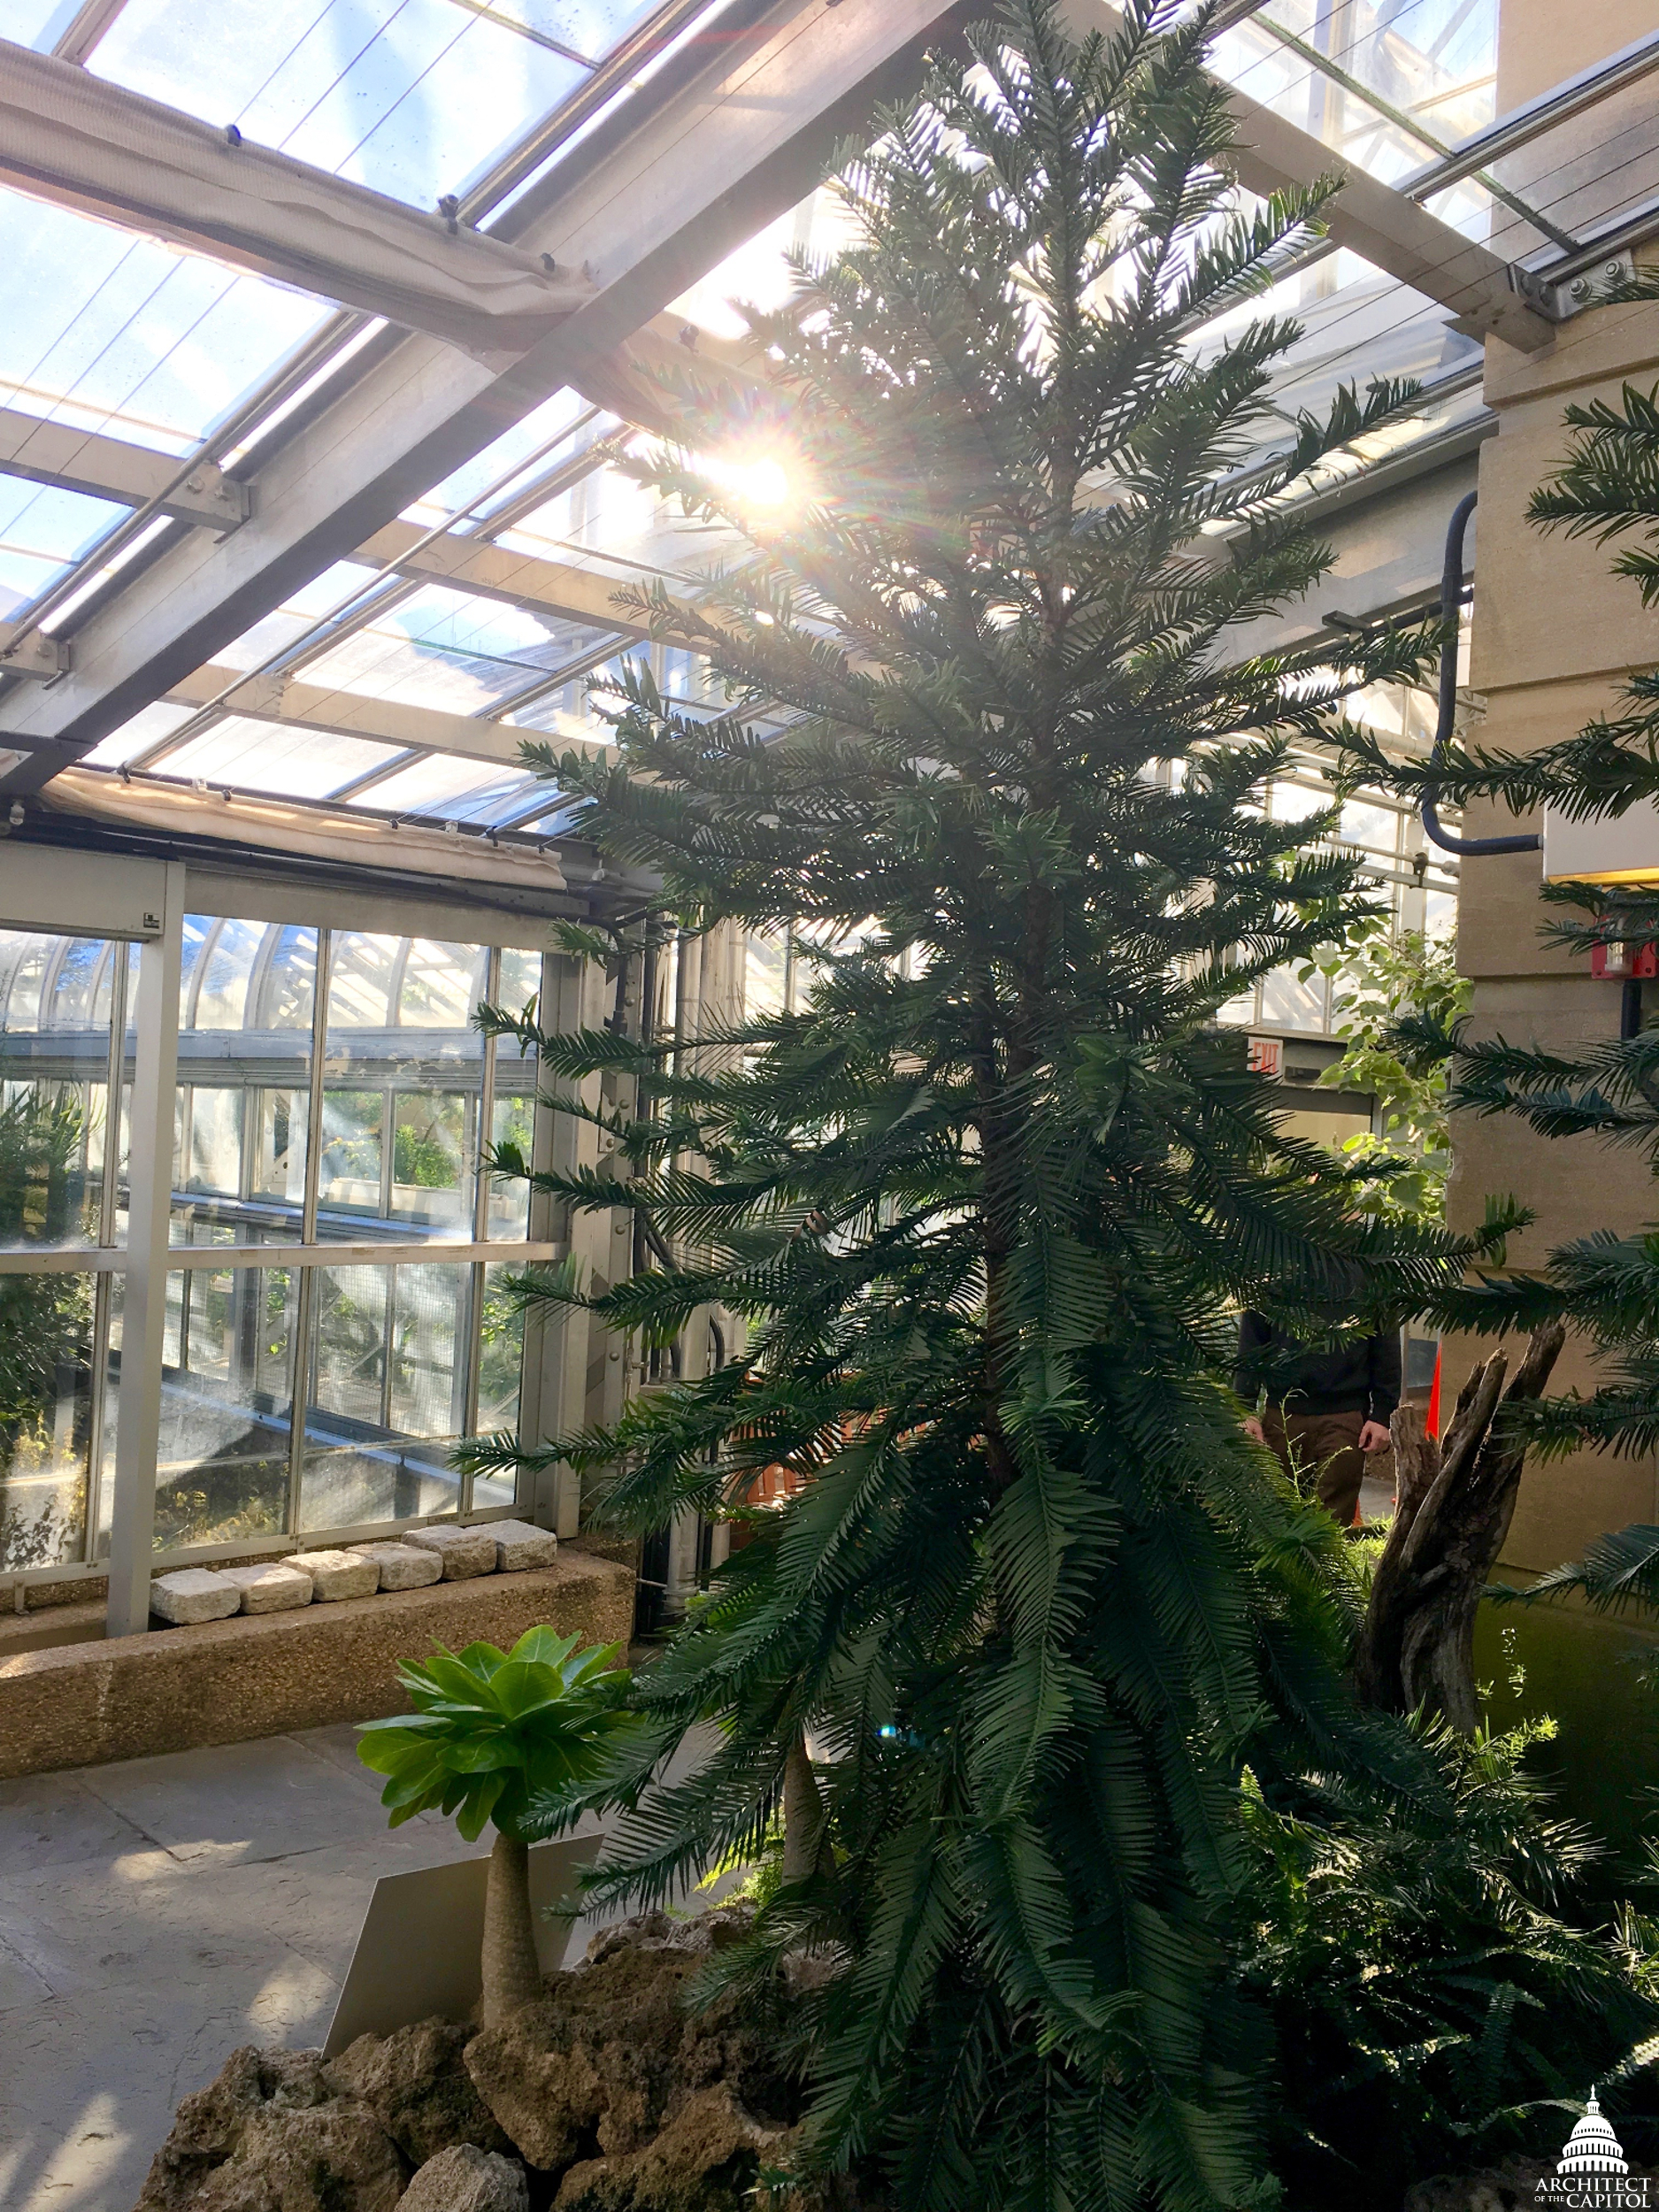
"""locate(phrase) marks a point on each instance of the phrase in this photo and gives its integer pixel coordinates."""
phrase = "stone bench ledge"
(261, 1674)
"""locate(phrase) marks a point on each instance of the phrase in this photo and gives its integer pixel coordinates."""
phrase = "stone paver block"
(403, 1566)
(464, 1551)
(336, 1574)
(268, 1588)
(194, 1593)
(519, 1545)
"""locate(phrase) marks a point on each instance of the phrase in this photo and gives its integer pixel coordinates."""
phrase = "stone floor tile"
(55, 1820)
(263, 1799)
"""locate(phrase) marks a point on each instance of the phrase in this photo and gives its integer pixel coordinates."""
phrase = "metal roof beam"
(651, 200)
(111, 468)
(71, 138)
(522, 579)
(324, 707)
(1370, 218)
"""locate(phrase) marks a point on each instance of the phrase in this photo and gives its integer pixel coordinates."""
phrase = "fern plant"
(986, 1200)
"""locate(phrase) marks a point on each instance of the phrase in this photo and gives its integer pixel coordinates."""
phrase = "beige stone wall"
(1554, 634)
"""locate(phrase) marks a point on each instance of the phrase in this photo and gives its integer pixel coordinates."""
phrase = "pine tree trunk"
(802, 1815)
(512, 1976)
(1416, 1646)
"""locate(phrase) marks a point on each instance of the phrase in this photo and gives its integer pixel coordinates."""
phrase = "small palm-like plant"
(522, 1738)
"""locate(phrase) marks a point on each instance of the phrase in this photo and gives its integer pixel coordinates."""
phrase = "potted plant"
(520, 1740)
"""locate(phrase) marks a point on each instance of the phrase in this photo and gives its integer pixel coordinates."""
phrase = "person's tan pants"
(1321, 1450)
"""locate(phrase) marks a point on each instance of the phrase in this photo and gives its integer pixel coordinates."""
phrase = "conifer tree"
(1042, 1619)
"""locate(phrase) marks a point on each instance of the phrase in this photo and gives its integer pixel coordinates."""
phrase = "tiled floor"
(156, 1913)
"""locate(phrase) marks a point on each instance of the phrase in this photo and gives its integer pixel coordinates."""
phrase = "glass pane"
(350, 1177)
(387, 1403)
(500, 1372)
(244, 1068)
(400, 1119)
(45, 1416)
(55, 998)
(222, 1464)
(103, 329)
(509, 1217)
(433, 1144)
(1289, 1003)
(412, 97)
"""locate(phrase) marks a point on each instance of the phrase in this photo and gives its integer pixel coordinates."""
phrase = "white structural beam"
(113, 468)
(1371, 218)
(291, 700)
(495, 571)
(71, 138)
(650, 202)
(144, 1303)
(310, 832)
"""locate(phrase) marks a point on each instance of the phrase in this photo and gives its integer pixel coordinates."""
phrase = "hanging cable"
(1452, 596)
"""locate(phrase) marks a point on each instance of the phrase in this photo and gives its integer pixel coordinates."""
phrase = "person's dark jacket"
(1359, 1378)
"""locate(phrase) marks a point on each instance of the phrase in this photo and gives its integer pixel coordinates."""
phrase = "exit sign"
(1265, 1056)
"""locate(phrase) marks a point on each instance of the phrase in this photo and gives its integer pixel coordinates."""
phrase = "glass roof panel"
(446, 649)
(119, 333)
(432, 786)
(43, 532)
(337, 584)
(1433, 62)
(251, 755)
(565, 411)
(607, 521)
(39, 23)
(148, 727)
(412, 97)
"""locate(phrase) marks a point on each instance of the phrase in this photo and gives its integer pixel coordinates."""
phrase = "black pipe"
(1629, 1009)
(1452, 596)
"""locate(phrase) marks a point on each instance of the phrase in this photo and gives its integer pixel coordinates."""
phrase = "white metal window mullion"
(154, 1078)
(300, 1349)
(480, 1219)
(109, 1201)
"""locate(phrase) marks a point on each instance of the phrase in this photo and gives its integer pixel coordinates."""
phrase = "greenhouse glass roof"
(315, 386)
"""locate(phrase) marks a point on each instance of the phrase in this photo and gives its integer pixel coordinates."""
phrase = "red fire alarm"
(1265, 1056)
(1617, 962)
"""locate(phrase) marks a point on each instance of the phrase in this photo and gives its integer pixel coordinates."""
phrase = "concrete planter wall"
(80, 1704)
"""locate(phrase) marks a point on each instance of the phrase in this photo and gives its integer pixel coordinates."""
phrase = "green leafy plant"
(1431, 1997)
(1382, 982)
(521, 1740)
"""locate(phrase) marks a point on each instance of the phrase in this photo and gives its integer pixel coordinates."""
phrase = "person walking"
(1326, 1412)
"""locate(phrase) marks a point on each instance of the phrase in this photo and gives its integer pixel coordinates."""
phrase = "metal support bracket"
(1561, 296)
(35, 654)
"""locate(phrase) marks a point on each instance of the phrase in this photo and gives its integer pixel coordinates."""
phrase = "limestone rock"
(1504, 2188)
(610, 2053)
(466, 2179)
(519, 1545)
(464, 1551)
(336, 1574)
(333, 2157)
(705, 2160)
(403, 1566)
(194, 1593)
(416, 2084)
(210, 2122)
(269, 1588)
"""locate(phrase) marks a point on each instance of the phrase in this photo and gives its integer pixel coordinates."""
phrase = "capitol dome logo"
(1592, 2174)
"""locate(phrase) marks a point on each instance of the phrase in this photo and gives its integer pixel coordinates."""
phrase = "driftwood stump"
(1416, 1646)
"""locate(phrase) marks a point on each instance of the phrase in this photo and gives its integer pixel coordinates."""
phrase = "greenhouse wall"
(331, 1313)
